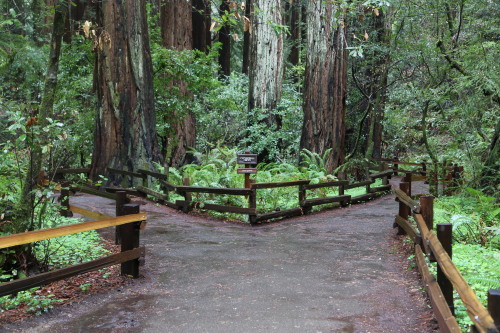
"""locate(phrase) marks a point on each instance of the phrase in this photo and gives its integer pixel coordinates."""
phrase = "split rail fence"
(128, 223)
(437, 245)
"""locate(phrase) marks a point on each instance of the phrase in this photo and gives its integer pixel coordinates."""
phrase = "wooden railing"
(304, 204)
(437, 245)
(128, 227)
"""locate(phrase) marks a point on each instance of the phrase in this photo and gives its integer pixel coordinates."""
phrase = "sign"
(247, 170)
(247, 159)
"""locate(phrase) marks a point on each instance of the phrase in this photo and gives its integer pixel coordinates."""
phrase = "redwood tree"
(125, 134)
(325, 83)
(202, 38)
(177, 34)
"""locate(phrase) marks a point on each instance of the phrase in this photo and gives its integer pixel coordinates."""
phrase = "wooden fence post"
(302, 199)
(444, 234)
(342, 192)
(65, 203)
(395, 166)
(121, 198)
(188, 197)
(427, 210)
(404, 210)
(424, 168)
(494, 306)
(252, 203)
(407, 179)
(130, 240)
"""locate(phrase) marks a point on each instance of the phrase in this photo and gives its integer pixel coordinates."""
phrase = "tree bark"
(202, 39)
(295, 33)
(225, 40)
(246, 38)
(490, 178)
(125, 134)
(325, 83)
(177, 34)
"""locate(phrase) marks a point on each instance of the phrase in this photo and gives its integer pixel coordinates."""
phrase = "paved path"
(335, 271)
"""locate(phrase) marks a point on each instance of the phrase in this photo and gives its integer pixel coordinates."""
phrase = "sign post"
(248, 160)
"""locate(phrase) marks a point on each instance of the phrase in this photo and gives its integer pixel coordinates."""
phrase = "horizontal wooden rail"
(476, 311)
(327, 184)
(157, 195)
(167, 185)
(158, 175)
(63, 273)
(280, 184)
(130, 191)
(409, 229)
(363, 197)
(39, 235)
(127, 173)
(414, 205)
(382, 188)
(327, 200)
(89, 213)
(382, 174)
(281, 213)
(445, 319)
(89, 190)
(230, 209)
(359, 184)
(214, 190)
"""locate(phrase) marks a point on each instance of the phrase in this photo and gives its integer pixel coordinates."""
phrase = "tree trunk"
(490, 178)
(246, 39)
(266, 62)
(177, 34)
(325, 84)
(295, 33)
(225, 40)
(125, 134)
(202, 39)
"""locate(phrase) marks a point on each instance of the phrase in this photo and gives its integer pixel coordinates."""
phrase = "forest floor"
(341, 270)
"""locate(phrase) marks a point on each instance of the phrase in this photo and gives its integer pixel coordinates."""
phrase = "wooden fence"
(437, 245)
(446, 175)
(128, 224)
(304, 203)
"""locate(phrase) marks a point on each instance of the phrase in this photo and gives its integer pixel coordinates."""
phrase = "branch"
(452, 62)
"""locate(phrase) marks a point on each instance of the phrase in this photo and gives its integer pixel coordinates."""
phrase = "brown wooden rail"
(448, 274)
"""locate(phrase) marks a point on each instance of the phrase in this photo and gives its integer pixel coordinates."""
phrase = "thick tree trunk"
(266, 62)
(202, 39)
(295, 33)
(125, 135)
(266, 58)
(225, 40)
(490, 177)
(325, 83)
(177, 34)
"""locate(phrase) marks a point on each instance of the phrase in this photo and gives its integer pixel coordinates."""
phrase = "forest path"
(334, 271)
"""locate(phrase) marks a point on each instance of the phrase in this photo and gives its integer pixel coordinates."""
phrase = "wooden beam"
(88, 190)
(414, 205)
(89, 213)
(167, 185)
(280, 184)
(476, 311)
(383, 188)
(153, 174)
(152, 193)
(327, 200)
(410, 230)
(15, 286)
(38, 235)
(130, 191)
(363, 197)
(127, 173)
(230, 209)
(215, 190)
(327, 184)
(359, 184)
(281, 213)
(446, 320)
(69, 171)
(386, 173)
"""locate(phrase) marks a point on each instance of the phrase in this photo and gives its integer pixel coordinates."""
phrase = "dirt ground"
(342, 270)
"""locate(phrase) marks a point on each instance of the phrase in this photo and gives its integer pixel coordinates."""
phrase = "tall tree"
(266, 61)
(224, 37)
(177, 34)
(125, 134)
(202, 39)
(325, 83)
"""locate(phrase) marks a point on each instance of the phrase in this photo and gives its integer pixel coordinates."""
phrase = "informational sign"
(247, 170)
(247, 159)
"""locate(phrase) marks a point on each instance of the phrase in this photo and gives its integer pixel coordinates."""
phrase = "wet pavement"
(334, 271)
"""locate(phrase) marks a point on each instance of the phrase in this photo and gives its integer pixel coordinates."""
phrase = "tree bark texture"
(177, 34)
(224, 38)
(325, 83)
(295, 33)
(125, 134)
(202, 38)
(246, 39)
(266, 57)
